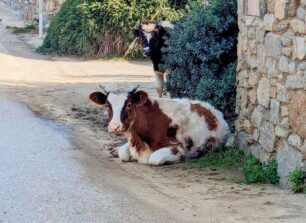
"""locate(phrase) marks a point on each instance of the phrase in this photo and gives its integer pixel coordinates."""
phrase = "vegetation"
(19, 30)
(201, 55)
(233, 158)
(102, 27)
(296, 180)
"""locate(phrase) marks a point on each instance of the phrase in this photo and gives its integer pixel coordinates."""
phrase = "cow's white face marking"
(148, 37)
(117, 102)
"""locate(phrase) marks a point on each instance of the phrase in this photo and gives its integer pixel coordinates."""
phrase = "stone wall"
(29, 8)
(271, 80)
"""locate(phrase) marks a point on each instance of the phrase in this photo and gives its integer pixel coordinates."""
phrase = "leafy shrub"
(253, 170)
(257, 172)
(201, 55)
(296, 179)
(101, 27)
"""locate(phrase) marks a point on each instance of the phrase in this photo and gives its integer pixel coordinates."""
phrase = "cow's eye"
(129, 106)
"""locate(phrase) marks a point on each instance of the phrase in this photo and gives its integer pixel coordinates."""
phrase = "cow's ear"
(140, 98)
(98, 98)
(136, 32)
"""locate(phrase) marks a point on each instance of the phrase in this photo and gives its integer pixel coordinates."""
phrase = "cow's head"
(150, 35)
(121, 108)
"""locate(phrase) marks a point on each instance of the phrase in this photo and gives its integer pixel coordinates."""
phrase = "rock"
(283, 64)
(256, 135)
(297, 81)
(298, 26)
(299, 48)
(252, 96)
(270, 6)
(247, 126)
(302, 66)
(273, 92)
(280, 26)
(301, 13)
(242, 140)
(269, 19)
(285, 122)
(287, 38)
(284, 111)
(292, 67)
(286, 51)
(263, 92)
(275, 115)
(279, 9)
(282, 94)
(287, 159)
(292, 7)
(273, 45)
(257, 116)
(267, 136)
(297, 114)
(281, 132)
(303, 3)
(294, 140)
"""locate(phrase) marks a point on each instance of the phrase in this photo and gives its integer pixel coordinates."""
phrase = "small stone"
(298, 26)
(267, 136)
(283, 64)
(285, 111)
(280, 26)
(299, 48)
(286, 51)
(281, 132)
(268, 21)
(292, 7)
(270, 6)
(285, 122)
(273, 45)
(302, 66)
(257, 116)
(275, 112)
(292, 67)
(297, 113)
(263, 92)
(273, 92)
(247, 126)
(253, 96)
(287, 159)
(294, 140)
(279, 9)
(303, 149)
(301, 13)
(297, 81)
(282, 94)
(287, 38)
(256, 135)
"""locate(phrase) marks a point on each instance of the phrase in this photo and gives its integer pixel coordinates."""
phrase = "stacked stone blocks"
(271, 83)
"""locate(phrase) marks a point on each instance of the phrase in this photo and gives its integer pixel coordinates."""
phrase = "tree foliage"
(201, 55)
(102, 27)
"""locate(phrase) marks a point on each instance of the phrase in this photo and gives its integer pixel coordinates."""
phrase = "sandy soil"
(57, 88)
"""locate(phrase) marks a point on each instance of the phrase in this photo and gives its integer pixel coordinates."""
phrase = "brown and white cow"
(161, 130)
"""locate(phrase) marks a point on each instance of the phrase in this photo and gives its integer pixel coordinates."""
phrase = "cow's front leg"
(124, 153)
(159, 81)
(166, 155)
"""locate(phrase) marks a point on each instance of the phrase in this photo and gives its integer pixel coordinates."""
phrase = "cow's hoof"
(114, 153)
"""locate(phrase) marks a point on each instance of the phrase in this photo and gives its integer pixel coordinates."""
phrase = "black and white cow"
(152, 37)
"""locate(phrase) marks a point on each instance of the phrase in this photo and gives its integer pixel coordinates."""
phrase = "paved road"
(41, 179)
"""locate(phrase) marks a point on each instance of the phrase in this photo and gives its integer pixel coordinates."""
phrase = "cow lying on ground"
(151, 35)
(161, 131)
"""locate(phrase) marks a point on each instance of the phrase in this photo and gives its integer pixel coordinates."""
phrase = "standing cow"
(152, 37)
(161, 131)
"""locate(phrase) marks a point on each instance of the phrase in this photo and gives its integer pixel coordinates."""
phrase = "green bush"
(296, 180)
(201, 55)
(257, 172)
(253, 170)
(101, 27)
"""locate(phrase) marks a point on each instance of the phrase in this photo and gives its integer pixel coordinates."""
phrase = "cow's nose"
(114, 128)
